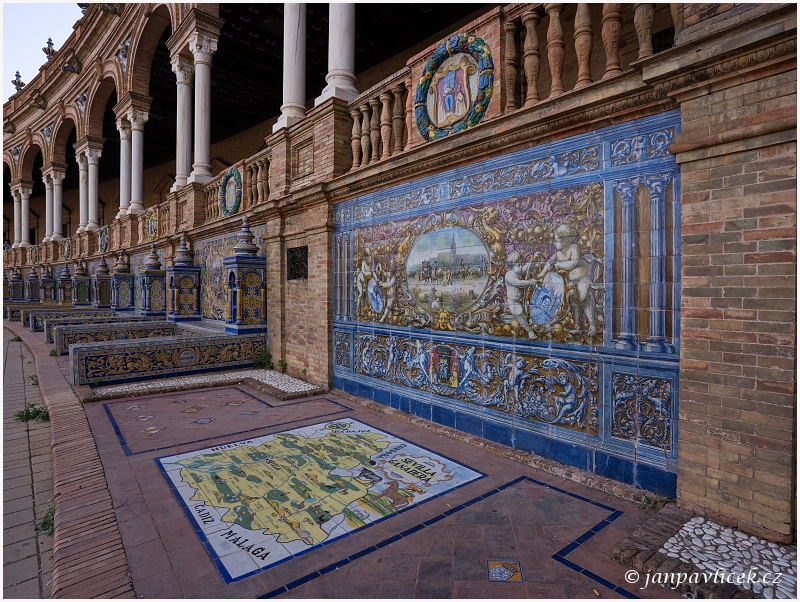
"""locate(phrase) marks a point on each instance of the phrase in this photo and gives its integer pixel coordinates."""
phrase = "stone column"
(25, 215)
(48, 208)
(627, 265)
(83, 193)
(184, 74)
(293, 108)
(93, 158)
(17, 219)
(341, 53)
(657, 295)
(124, 127)
(137, 119)
(203, 49)
(58, 200)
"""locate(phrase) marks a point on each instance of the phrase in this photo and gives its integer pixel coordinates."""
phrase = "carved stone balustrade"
(379, 129)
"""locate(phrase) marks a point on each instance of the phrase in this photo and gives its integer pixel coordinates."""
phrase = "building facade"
(566, 228)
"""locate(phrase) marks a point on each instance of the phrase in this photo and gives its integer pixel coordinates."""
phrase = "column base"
(25, 243)
(46, 239)
(56, 237)
(122, 211)
(626, 341)
(81, 229)
(657, 345)
(179, 183)
(135, 210)
(285, 121)
(345, 93)
(15, 245)
(91, 227)
(200, 176)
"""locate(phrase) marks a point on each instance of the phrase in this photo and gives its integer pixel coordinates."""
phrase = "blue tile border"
(559, 556)
(128, 452)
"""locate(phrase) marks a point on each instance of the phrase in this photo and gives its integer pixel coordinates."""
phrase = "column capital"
(58, 176)
(48, 181)
(183, 69)
(25, 192)
(202, 47)
(93, 155)
(138, 119)
(124, 128)
(86, 143)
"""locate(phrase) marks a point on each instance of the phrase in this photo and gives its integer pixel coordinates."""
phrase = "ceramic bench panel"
(64, 336)
(532, 299)
(51, 323)
(35, 320)
(143, 359)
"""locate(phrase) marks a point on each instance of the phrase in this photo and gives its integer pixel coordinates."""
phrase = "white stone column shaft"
(341, 53)
(25, 213)
(93, 158)
(83, 193)
(48, 208)
(124, 127)
(203, 49)
(137, 119)
(58, 201)
(293, 108)
(17, 219)
(184, 73)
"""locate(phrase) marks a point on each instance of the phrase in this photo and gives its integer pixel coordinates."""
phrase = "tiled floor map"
(267, 499)
(160, 422)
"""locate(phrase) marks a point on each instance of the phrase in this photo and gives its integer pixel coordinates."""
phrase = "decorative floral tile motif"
(505, 570)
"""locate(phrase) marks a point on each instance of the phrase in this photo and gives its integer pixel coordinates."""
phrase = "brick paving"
(121, 531)
(27, 480)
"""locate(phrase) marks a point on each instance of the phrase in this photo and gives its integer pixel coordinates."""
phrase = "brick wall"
(736, 454)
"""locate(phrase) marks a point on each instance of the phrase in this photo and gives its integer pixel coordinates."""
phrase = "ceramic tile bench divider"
(66, 335)
(145, 359)
(12, 309)
(29, 316)
(51, 323)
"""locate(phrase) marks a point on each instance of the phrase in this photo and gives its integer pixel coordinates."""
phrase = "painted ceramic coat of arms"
(455, 88)
(151, 224)
(34, 254)
(103, 237)
(230, 192)
(66, 247)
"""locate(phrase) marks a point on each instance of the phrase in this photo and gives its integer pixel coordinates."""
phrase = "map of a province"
(286, 487)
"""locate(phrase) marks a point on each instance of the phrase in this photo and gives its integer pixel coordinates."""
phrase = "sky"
(26, 27)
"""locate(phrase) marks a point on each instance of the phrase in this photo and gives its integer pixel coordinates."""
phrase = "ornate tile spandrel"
(642, 147)
(342, 343)
(548, 390)
(642, 409)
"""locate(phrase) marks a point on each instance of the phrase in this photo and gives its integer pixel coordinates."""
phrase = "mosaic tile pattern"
(505, 570)
(512, 298)
(261, 501)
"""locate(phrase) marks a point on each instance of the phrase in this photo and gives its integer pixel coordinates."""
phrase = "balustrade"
(255, 185)
(380, 129)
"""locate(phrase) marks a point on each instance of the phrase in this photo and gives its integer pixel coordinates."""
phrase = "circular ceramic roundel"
(455, 88)
(230, 192)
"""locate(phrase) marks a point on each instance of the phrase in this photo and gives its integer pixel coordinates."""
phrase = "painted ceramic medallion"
(151, 224)
(455, 88)
(103, 238)
(447, 269)
(230, 194)
(547, 299)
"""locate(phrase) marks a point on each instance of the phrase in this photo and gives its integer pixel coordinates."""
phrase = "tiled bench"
(34, 319)
(64, 336)
(51, 323)
(146, 359)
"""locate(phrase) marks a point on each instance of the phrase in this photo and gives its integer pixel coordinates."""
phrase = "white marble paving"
(272, 378)
(770, 569)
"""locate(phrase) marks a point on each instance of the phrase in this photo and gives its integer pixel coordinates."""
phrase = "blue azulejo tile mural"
(531, 298)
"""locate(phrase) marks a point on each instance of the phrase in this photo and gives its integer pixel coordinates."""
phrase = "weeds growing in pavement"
(34, 379)
(53, 352)
(263, 360)
(16, 338)
(32, 412)
(47, 524)
(649, 503)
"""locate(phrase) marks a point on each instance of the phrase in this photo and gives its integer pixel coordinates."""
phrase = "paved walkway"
(134, 522)
(27, 480)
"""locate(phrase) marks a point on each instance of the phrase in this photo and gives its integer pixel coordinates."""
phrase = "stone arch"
(27, 158)
(97, 106)
(60, 135)
(143, 46)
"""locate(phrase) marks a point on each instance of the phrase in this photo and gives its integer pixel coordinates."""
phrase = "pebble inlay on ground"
(712, 547)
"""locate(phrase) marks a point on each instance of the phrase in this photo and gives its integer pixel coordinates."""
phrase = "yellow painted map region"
(284, 487)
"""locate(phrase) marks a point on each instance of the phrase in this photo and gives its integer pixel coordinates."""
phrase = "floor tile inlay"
(268, 499)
